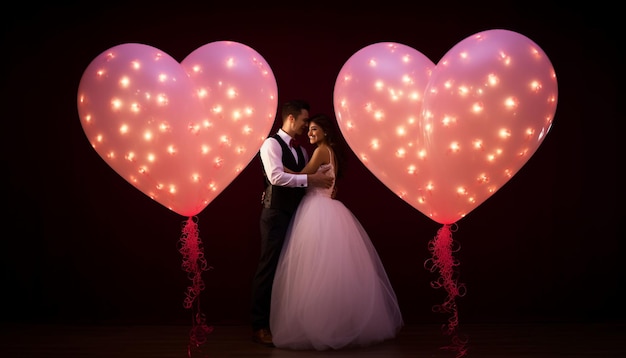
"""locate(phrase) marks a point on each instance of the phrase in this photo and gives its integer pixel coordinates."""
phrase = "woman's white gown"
(331, 289)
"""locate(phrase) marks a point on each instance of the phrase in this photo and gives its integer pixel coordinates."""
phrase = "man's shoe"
(263, 336)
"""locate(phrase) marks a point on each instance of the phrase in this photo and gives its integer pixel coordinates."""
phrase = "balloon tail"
(442, 247)
(194, 263)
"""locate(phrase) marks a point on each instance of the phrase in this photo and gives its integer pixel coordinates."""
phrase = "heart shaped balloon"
(178, 132)
(445, 138)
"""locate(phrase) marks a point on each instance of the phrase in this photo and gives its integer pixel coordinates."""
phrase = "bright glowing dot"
(492, 79)
(372, 63)
(237, 115)
(125, 81)
(172, 189)
(225, 140)
(147, 135)
(483, 178)
(411, 169)
(464, 55)
(477, 144)
(171, 149)
(164, 127)
(195, 177)
(151, 157)
(207, 123)
(447, 121)
(202, 93)
(124, 129)
(230, 62)
(400, 153)
(535, 52)
(406, 79)
(477, 107)
(162, 99)
(162, 77)
(530, 132)
(395, 95)
(461, 191)
(247, 130)
(135, 65)
(130, 157)
(142, 170)
(401, 131)
(240, 149)
(88, 118)
(421, 154)
(231, 93)
(492, 189)
(116, 103)
(504, 133)
(217, 108)
(159, 186)
(471, 200)
(455, 147)
(194, 128)
(248, 111)
(430, 186)
(212, 186)
(506, 59)
(448, 84)
(100, 73)
(523, 152)
(535, 86)
(491, 157)
(218, 162)
(508, 173)
(511, 102)
(99, 138)
(463, 90)
(196, 68)
(135, 108)
(378, 115)
(205, 149)
(375, 144)
(364, 158)
(111, 155)
(379, 85)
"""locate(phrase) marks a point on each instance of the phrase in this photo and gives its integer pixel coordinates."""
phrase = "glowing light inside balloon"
(479, 115)
(166, 117)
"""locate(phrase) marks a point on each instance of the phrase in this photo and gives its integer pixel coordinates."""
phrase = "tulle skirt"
(330, 290)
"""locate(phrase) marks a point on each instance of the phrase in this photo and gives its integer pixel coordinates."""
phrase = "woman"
(330, 290)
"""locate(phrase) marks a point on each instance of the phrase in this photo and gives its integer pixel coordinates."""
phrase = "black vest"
(281, 197)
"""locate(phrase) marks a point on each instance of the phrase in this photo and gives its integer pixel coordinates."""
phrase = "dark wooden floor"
(494, 341)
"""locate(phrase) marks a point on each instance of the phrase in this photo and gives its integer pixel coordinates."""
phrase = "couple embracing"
(320, 283)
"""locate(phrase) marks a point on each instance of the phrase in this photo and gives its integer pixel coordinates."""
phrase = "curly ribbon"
(194, 263)
(442, 247)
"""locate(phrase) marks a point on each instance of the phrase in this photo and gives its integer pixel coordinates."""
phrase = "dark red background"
(80, 244)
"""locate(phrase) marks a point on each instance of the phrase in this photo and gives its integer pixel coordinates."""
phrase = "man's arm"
(271, 157)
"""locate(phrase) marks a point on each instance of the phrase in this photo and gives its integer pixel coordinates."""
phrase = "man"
(281, 198)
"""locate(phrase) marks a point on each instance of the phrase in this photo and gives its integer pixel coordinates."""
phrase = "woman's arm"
(318, 158)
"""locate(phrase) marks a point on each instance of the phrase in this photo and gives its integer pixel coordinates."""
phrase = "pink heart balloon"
(178, 132)
(487, 106)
